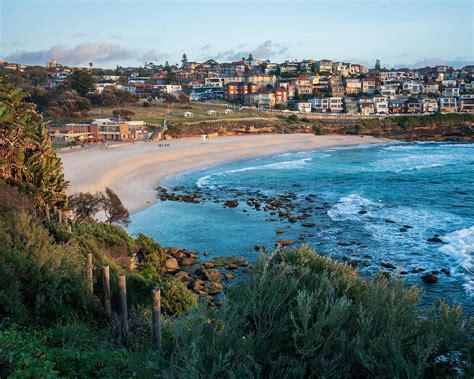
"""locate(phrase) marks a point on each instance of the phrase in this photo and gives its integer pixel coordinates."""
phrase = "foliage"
(12, 200)
(406, 121)
(73, 350)
(39, 279)
(150, 256)
(67, 105)
(114, 209)
(28, 159)
(82, 81)
(114, 97)
(304, 315)
(124, 114)
(297, 315)
(85, 206)
(293, 118)
(317, 130)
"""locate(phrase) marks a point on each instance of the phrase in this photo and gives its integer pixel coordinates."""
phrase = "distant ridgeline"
(146, 311)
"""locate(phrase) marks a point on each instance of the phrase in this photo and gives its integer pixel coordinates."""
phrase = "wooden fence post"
(90, 277)
(106, 291)
(122, 284)
(156, 311)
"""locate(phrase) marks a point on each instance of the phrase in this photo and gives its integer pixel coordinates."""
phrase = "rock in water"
(429, 279)
(285, 242)
(435, 240)
(231, 203)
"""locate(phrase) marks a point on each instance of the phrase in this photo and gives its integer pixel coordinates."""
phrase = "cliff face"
(407, 129)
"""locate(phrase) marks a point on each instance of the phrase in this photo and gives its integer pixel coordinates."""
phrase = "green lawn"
(157, 112)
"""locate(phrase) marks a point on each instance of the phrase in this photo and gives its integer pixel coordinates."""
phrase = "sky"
(410, 33)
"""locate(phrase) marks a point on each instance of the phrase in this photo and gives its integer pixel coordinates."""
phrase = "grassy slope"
(157, 111)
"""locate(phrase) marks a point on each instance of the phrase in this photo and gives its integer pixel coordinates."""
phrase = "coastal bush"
(76, 350)
(39, 279)
(303, 315)
(317, 130)
(150, 256)
(293, 118)
(406, 121)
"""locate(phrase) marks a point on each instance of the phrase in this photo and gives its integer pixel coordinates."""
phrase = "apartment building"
(466, 103)
(368, 86)
(236, 91)
(353, 86)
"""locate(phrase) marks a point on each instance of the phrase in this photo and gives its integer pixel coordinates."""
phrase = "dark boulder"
(429, 279)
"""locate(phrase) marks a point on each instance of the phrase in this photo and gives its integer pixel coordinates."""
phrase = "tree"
(168, 99)
(82, 81)
(184, 99)
(124, 114)
(91, 64)
(85, 206)
(114, 208)
(377, 65)
(184, 60)
(28, 160)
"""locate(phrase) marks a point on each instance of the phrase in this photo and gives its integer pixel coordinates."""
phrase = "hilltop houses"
(328, 86)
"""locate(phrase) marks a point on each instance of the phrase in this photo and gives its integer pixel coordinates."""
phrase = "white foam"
(203, 182)
(460, 247)
(299, 163)
(416, 162)
(347, 207)
(285, 165)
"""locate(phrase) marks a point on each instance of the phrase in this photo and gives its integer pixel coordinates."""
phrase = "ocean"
(374, 206)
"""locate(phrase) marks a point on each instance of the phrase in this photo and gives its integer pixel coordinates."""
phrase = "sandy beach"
(134, 170)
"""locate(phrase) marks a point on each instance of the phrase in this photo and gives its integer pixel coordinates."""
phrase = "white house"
(320, 104)
(451, 92)
(168, 88)
(380, 105)
(304, 107)
(211, 112)
(336, 104)
(412, 86)
(188, 114)
(228, 111)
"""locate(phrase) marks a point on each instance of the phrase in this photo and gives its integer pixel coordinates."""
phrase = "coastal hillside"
(83, 298)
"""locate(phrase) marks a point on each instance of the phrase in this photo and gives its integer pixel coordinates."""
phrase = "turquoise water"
(358, 198)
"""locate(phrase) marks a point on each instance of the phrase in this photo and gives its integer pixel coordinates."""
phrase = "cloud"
(265, 50)
(205, 47)
(96, 52)
(152, 56)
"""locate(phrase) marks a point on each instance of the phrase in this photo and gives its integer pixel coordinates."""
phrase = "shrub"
(293, 118)
(150, 256)
(304, 315)
(317, 130)
(39, 279)
(74, 350)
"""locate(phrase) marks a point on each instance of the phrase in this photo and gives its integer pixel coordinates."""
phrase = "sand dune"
(135, 170)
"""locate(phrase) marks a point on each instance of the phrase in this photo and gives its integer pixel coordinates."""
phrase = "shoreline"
(134, 170)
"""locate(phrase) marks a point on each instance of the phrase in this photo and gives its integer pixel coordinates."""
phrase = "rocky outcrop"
(459, 127)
